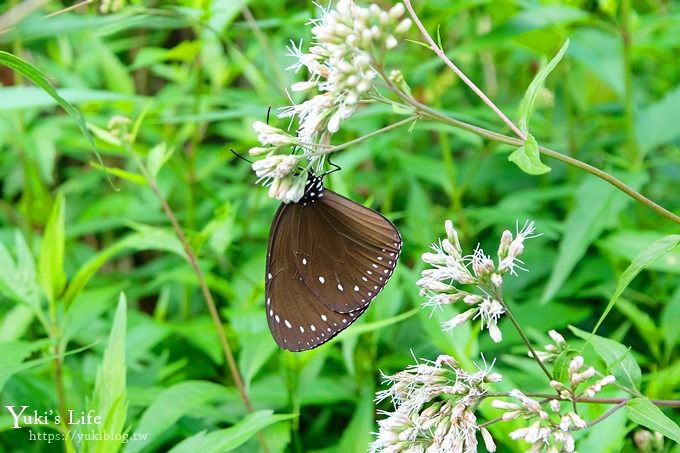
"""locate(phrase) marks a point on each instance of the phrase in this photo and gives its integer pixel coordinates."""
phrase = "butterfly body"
(328, 257)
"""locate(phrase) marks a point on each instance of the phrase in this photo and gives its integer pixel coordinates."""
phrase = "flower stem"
(440, 53)
(525, 339)
(584, 399)
(207, 295)
(606, 415)
(433, 114)
(350, 143)
(430, 113)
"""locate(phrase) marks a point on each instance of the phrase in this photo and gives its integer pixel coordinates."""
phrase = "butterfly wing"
(297, 318)
(346, 252)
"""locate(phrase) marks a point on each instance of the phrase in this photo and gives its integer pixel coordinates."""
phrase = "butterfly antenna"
(269, 110)
(337, 167)
(240, 156)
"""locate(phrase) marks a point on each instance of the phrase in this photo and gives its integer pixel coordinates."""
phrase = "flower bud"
(557, 338)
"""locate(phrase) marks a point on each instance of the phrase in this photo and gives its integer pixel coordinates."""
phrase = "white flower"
(348, 40)
(288, 189)
(510, 249)
(434, 404)
(275, 166)
(269, 135)
(557, 338)
(490, 311)
(459, 319)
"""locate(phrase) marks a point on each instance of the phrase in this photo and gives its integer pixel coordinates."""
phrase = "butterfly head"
(313, 189)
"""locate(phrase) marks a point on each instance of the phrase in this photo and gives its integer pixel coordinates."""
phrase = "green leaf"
(157, 157)
(597, 204)
(669, 321)
(230, 438)
(644, 258)
(657, 124)
(170, 405)
(34, 75)
(643, 412)
(627, 244)
(27, 97)
(256, 349)
(147, 238)
(51, 274)
(18, 279)
(357, 435)
(527, 104)
(528, 159)
(122, 174)
(12, 356)
(617, 357)
(109, 398)
(561, 365)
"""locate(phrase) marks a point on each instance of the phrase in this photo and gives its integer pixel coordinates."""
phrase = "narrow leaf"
(230, 438)
(527, 104)
(51, 261)
(170, 405)
(643, 412)
(36, 76)
(619, 360)
(644, 258)
(109, 398)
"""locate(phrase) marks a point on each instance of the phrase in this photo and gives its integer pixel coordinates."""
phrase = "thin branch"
(69, 8)
(584, 399)
(525, 339)
(427, 111)
(606, 414)
(435, 115)
(440, 53)
(207, 295)
(350, 143)
(210, 302)
(18, 12)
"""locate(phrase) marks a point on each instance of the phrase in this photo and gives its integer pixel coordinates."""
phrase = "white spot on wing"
(324, 317)
(287, 323)
(304, 261)
(312, 327)
(322, 280)
(340, 287)
(356, 288)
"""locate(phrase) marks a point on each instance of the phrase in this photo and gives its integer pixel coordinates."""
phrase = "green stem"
(351, 143)
(633, 149)
(207, 295)
(428, 112)
(525, 339)
(583, 399)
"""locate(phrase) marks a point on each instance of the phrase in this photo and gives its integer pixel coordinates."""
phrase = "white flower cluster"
(434, 409)
(450, 267)
(278, 171)
(348, 41)
(550, 428)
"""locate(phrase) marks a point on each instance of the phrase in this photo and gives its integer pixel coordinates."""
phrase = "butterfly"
(327, 259)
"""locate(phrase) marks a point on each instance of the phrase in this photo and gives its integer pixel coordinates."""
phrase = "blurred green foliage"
(196, 74)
